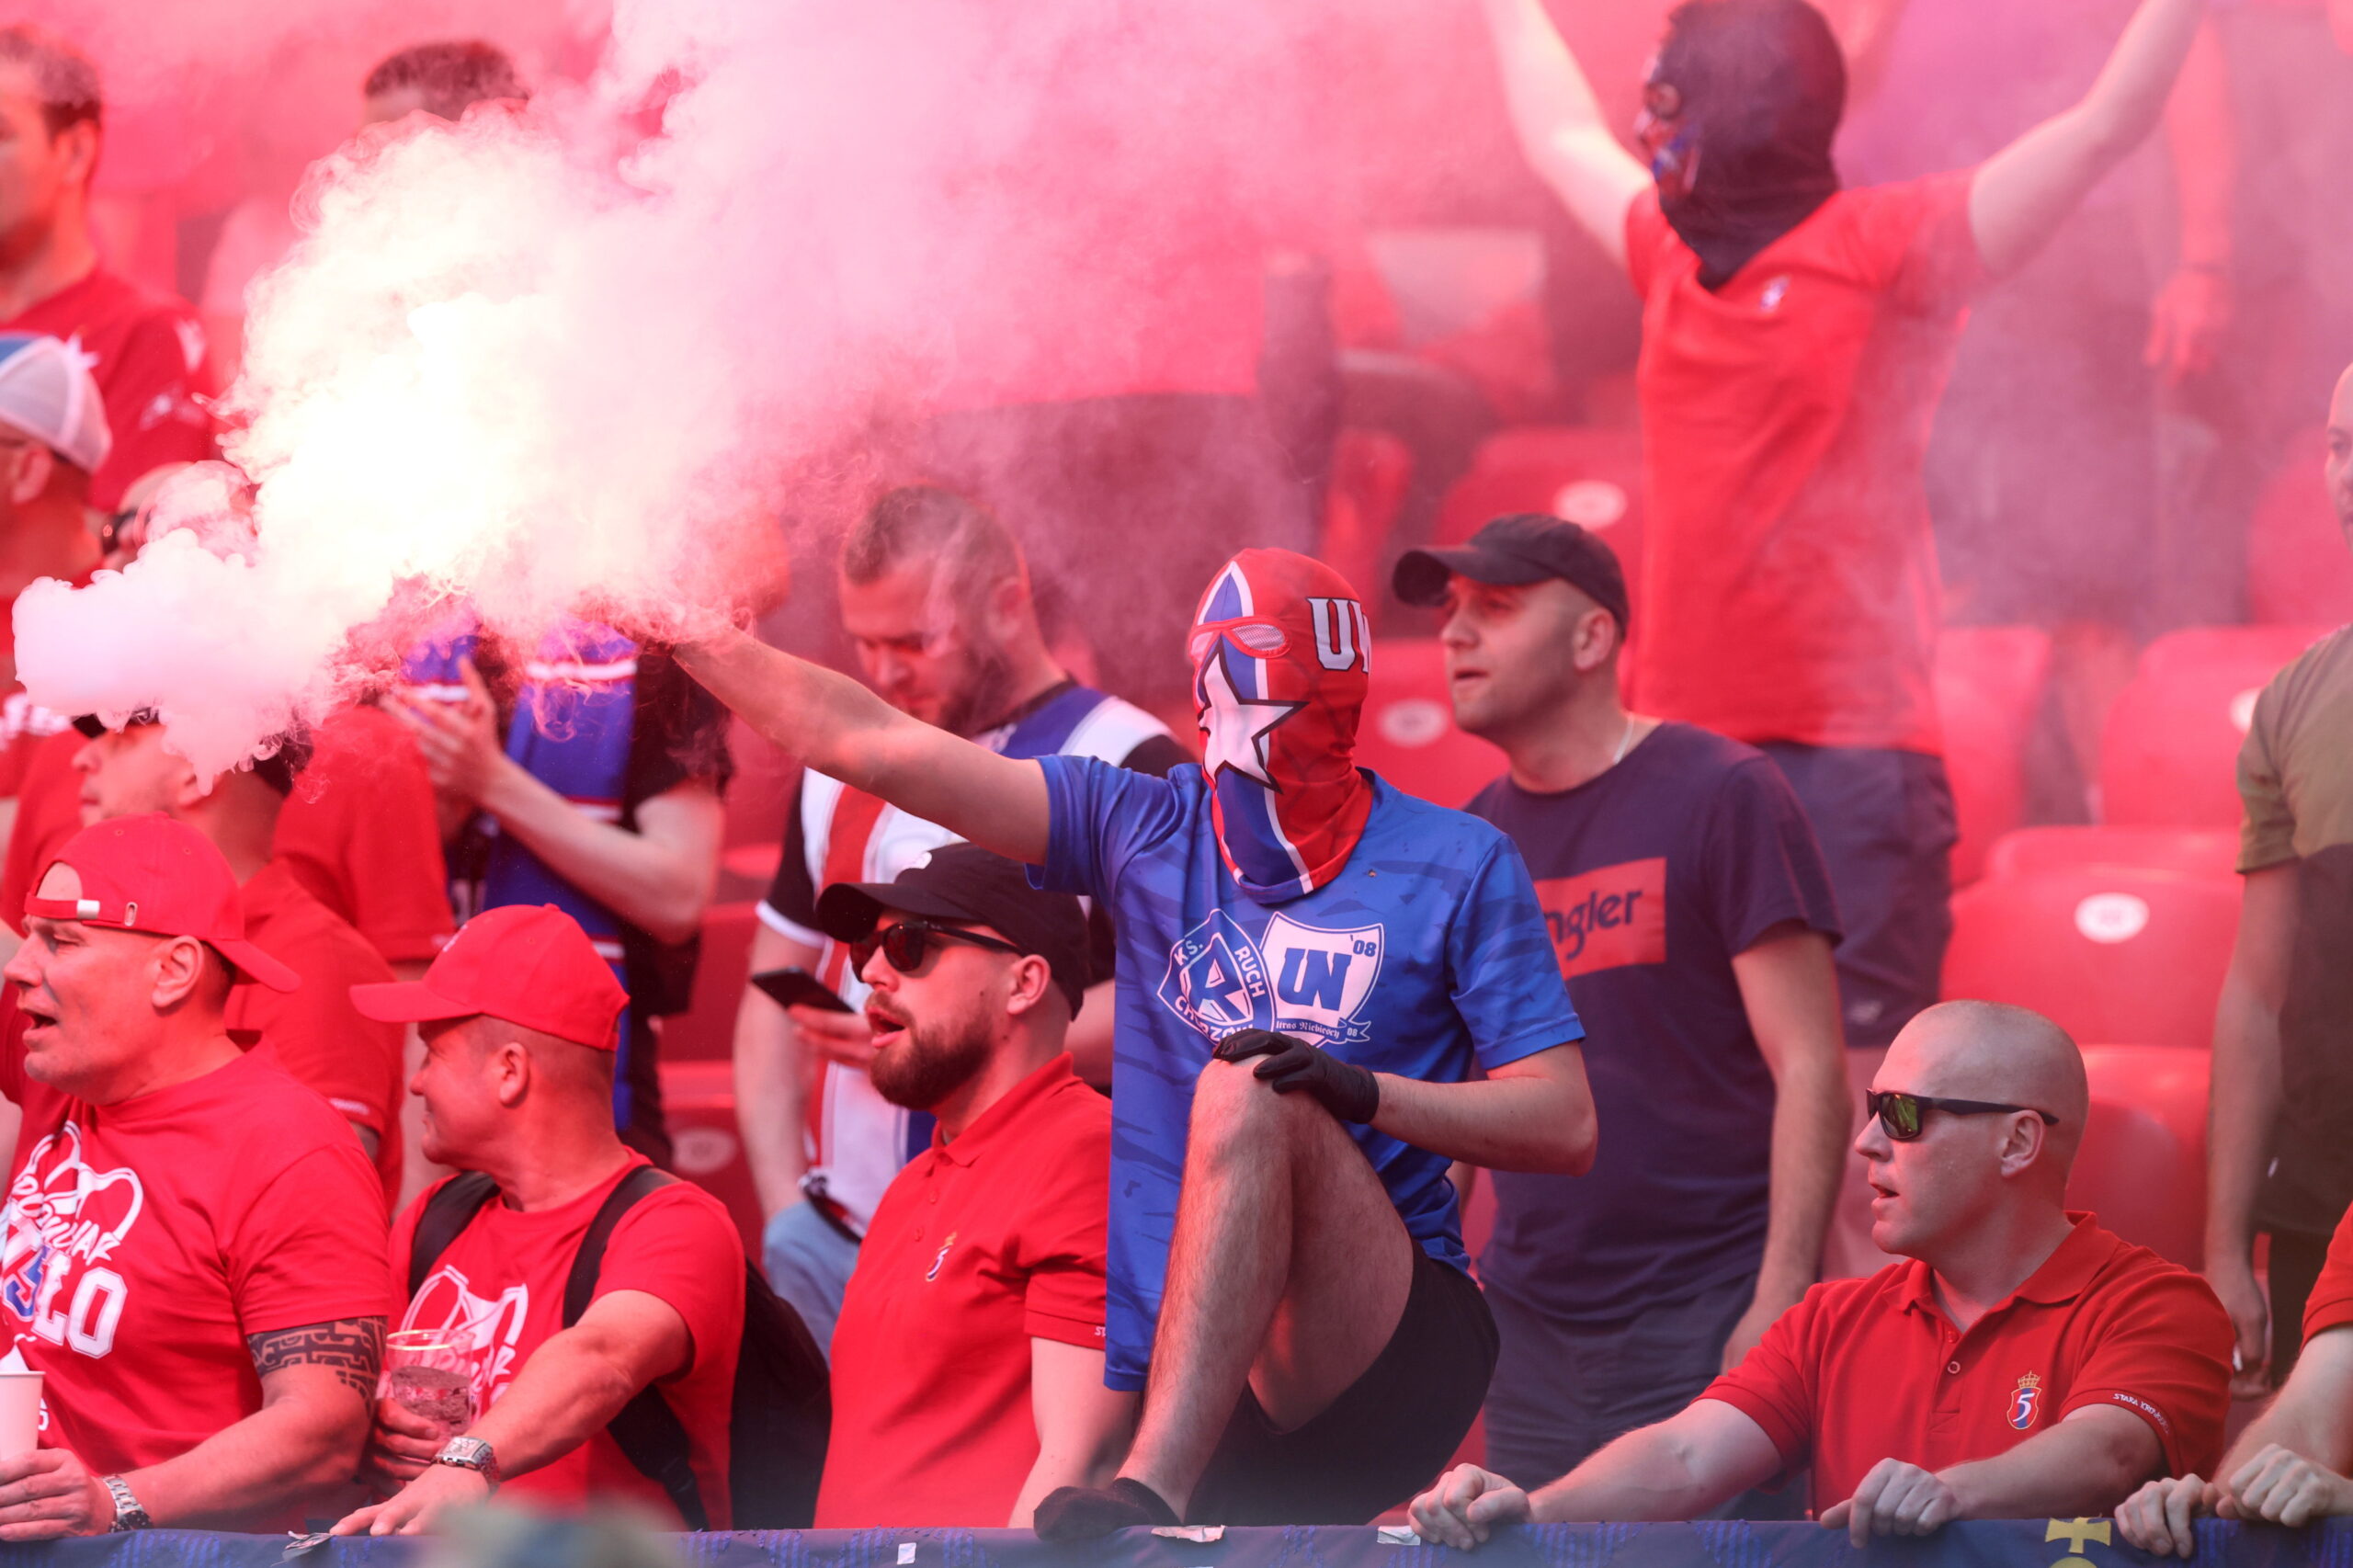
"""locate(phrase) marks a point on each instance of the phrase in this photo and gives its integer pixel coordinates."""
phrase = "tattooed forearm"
(352, 1348)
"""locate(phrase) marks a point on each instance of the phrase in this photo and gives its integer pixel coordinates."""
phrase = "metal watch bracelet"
(128, 1513)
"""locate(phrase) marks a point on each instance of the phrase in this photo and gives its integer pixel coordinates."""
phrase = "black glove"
(1293, 1066)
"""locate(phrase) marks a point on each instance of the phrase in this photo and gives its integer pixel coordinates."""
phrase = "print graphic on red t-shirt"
(483, 1330)
(1607, 918)
(65, 1214)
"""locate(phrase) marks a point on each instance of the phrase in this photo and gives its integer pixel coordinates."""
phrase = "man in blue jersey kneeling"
(1311, 966)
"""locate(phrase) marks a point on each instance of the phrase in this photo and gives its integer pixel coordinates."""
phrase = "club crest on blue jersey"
(2025, 1400)
(1302, 980)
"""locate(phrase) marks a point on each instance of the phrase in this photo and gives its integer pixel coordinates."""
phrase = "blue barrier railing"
(1994, 1543)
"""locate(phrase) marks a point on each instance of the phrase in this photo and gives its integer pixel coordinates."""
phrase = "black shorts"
(1388, 1435)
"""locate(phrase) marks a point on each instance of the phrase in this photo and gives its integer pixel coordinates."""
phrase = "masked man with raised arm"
(1311, 965)
(1796, 338)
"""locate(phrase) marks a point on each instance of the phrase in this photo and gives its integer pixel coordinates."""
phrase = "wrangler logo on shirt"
(1607, 918)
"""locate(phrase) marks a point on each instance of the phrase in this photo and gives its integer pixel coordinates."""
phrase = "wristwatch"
(471, 1453)
(128, 1514)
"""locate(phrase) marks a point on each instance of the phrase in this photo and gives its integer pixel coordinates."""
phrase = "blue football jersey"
(1427, 952)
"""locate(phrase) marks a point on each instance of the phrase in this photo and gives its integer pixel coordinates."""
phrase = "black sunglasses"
(1899, 1113)
(908, 943)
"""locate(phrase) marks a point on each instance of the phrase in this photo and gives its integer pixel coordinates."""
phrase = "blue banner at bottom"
(1995, 1543)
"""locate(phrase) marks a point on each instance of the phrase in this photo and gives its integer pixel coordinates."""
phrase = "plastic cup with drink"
(430, 1375)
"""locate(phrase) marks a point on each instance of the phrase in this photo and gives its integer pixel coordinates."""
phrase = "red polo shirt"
(978, 1246)
(2331, 1303)
(1789, 579)
(1866, 1369)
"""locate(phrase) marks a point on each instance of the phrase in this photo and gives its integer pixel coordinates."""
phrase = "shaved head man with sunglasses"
(968, 1357)
(2020, 1362)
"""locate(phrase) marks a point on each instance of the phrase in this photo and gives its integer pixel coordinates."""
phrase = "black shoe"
(1086, 1513)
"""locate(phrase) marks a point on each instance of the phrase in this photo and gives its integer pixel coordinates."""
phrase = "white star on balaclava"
(1238, 739)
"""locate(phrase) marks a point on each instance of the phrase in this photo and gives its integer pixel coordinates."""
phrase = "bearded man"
(1310, 965)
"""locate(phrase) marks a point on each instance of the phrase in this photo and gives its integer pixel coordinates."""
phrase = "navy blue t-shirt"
(1425, 956)
(1652, 877)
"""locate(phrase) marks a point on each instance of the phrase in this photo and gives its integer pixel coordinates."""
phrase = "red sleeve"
(361, 833)
(310, 1247)
(159, 371)
(1064, 1238)
(2331, 1303)
(49, 812)
(319, 1036)
(679, 1247)
(1914, 239)
(2163, 1351)
(1646, 231)
(1774, 1384)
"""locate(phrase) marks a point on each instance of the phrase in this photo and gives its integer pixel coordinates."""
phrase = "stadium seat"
(1989, 689)
(1408, 735)
(698, 1100)
(2169, 756)
(2298, 570)
(2189, 851)
(706, 1030)
(2112, 954)
(1589, 476)
(2142, 1164)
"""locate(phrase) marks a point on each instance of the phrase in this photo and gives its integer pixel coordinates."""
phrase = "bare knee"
(1233, 1106)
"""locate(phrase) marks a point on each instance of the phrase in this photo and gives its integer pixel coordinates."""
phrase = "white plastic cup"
(20, 1413)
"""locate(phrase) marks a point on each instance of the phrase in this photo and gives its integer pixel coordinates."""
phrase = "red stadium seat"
(2111, 953)
(706, 1030)
(1408, 735)
(1989, 687)
(763, 783)
(2169, 756)
(2299, 572)
(2189, 851)
(2142, 1164)
(1589, 476)
(699, 1101)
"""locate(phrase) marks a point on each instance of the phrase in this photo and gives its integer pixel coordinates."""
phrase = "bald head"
(1989, 1051)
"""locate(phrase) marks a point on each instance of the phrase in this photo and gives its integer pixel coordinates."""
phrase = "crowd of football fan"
(1114, 1112)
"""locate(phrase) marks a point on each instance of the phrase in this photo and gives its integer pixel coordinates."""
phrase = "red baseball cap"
(150, 874)
(529, 965)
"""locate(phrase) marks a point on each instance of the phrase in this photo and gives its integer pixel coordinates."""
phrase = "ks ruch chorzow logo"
(1308, 980)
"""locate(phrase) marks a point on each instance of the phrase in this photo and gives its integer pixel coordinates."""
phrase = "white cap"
(46, 392)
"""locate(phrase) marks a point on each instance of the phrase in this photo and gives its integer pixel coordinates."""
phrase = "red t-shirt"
(978, 1246)
(360, 831)
(1866, 1369)
(1788, 578)
(314, 1032)
(498, 1292)
(2331, 1303)
(148, 356)
(145, 1240)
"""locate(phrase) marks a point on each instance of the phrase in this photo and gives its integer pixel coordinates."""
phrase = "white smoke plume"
(549, 364)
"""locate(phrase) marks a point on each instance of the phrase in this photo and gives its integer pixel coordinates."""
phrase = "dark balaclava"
(1741, 107)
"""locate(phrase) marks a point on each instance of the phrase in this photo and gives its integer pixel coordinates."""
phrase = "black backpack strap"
(649, 1434)
(447, 1214)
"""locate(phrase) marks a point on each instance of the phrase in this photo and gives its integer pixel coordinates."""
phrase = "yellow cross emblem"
(2075, 1534)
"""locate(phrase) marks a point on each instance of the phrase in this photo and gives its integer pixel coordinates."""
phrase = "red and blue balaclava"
(1281, 650)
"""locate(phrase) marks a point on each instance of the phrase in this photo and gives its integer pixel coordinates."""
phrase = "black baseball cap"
(1525, 547)
(963, 883)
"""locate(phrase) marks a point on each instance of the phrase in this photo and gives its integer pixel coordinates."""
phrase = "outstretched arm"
(844, 731)
(2022, 192)
(1688, 1464)
(2086, 1464)
(1560, 124)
